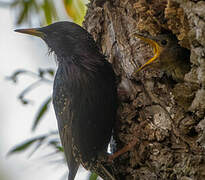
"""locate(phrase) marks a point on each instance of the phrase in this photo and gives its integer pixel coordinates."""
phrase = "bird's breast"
(86, 101)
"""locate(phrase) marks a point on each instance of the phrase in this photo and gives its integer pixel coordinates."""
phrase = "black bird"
(84, 96)
(169, 56)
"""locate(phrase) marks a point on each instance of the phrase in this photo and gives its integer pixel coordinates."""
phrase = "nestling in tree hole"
(169, 56)
(84, 96)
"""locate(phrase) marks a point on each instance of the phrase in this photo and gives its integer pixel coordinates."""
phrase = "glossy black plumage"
(84, 96)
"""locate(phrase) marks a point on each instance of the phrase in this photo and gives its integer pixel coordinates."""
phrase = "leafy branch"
(49, 139)
(40, 79)
(45, 11)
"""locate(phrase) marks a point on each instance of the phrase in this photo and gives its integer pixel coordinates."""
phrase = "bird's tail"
(73, 170)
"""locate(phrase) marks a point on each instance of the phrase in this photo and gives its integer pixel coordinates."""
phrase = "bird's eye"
(163, 42)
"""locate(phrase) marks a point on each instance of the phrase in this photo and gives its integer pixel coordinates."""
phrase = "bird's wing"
(64, 117)
(94, 110)
(64, 122)
(66, 142)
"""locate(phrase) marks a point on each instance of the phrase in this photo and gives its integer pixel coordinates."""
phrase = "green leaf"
(50, 72)
(23, 16)
(56, 145)
(14, 76)
(93, 176)
(26, 90)
(42, 72)
(27, 9)
(47, 11)
(40, 142)
(25, 145)
(43, 109)
(76, 9)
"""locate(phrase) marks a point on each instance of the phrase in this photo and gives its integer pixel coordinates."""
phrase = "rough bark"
(167, 118)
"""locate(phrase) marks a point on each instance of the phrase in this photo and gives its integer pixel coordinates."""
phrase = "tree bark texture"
(166, 118)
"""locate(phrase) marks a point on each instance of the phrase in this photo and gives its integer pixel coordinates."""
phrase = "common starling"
(84, 96)
(169, 56)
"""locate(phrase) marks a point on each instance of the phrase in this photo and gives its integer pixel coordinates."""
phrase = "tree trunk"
(164, 117)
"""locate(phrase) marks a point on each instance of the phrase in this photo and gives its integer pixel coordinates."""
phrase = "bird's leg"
(100, 166)
(103, 172)
(123, 150)
(103, 165)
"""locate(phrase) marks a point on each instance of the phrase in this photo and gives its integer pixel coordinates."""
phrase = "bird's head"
(165, 48)
(65, 38)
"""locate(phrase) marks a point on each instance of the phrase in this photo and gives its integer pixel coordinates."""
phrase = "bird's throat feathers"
(89, 62)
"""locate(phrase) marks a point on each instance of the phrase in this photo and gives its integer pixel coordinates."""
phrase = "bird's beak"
(156, 48)
(33, 31)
